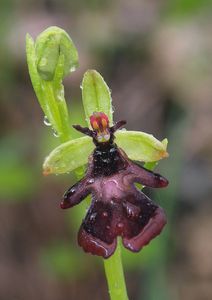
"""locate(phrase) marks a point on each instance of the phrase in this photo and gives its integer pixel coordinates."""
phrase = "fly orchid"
(117, 208)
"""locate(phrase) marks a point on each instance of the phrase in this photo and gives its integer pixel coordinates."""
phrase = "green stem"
(115, 276)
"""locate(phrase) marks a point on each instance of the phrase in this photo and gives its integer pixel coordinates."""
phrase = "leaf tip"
(28, 38)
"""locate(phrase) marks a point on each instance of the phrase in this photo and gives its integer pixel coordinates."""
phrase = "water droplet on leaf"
(55, 133)
(72, 69)
(46, 121)
(60, 95)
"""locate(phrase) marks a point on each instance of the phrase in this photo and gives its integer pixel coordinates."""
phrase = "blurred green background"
(156, 56)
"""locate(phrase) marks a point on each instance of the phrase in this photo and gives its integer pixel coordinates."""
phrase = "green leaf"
(141, 146)
(96, 95)
(186, 8)
(31, 61)
(68, 156)
(62, 259)
(51, 58)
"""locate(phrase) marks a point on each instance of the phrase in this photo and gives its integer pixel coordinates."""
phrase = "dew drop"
(120, 225)
(43, 62)
(132, 211)
(91, 180)
(93, 217)
(55, 133)
(105, 214)
(105, 160)
(70, 193)
(60, 95)
(73, 190)
(72, 69)
(46, 121)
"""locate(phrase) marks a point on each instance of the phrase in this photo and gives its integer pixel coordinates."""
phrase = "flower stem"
(115, 275)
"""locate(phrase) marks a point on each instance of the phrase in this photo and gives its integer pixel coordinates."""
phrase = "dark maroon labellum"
(118, 208)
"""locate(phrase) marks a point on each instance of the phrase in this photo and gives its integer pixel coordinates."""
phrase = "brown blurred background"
(156, 56)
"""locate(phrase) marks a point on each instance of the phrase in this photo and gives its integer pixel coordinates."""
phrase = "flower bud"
(50, 44)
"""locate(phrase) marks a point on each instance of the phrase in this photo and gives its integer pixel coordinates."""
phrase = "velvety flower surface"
(118, 208)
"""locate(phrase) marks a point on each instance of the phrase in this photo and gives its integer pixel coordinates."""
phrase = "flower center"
(100, 124)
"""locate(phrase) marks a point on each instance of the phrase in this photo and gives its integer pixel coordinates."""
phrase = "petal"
(146, 177)
(76, 193)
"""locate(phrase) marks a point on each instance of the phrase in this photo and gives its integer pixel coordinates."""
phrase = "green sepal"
(96, 95)
(68, 156)
(141, 146)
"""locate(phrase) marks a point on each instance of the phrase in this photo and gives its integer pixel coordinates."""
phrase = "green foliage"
(52, 57)
(18, 179)
(62, 260)
(184, 8)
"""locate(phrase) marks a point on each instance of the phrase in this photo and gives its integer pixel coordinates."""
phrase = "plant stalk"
(115, 275)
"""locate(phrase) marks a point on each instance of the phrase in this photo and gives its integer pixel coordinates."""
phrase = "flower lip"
(116, 209)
